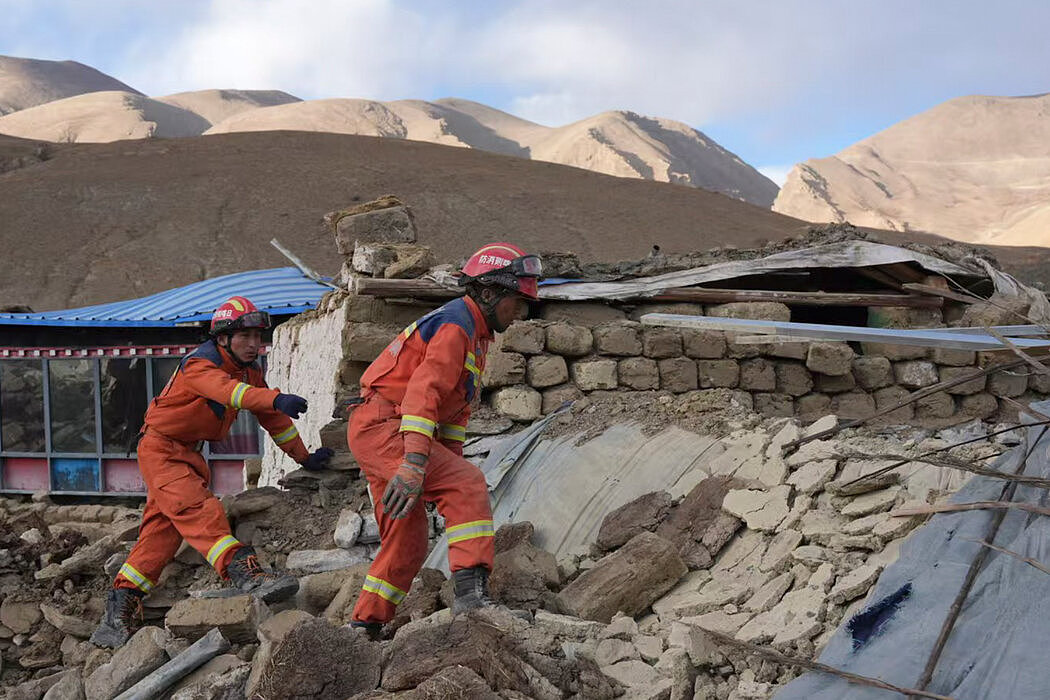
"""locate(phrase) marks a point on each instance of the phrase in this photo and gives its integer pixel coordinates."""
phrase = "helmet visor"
(527, 266)
(253, 319)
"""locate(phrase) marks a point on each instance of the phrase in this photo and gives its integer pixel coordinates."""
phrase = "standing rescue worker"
(408, 435)
(200, 402)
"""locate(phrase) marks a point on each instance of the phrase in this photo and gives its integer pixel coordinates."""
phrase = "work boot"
(123, 616)
(472, 589)
(372, 629)
(249, 576)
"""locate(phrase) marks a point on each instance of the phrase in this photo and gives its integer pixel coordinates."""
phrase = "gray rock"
(347, 528)
(317, 560)
(143, 654)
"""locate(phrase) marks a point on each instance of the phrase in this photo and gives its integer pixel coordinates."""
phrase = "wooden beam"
(419, 288)
(724, 296)
(938, 292)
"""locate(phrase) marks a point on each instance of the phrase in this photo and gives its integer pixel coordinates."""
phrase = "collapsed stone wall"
(575, 348)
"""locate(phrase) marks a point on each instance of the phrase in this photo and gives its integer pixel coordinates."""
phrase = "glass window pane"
(72, 405)
(123, 401)
(243, 438)
(163, 368)
(22, 405)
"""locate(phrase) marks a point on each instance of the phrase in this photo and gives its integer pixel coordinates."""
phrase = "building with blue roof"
(75, 383)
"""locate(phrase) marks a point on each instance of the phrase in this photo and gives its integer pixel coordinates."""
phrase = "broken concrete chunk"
(761, 510)
(628, 580)
(810, 554)
(347, 528)
(644, 513)
(798, 616)
(874, 502)
(770, 594)
(813, 476)
(566, 626)
(143, 654)
(854, 584)
(778, 555)
(856, 468)
(236, 617)
(318, 560)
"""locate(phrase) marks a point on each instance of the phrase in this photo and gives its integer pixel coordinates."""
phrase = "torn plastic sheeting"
(843, 254)
(998, 646)
(566, 490)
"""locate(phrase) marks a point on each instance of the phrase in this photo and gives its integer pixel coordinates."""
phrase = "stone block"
(761, 510)
(978, 406)
(813, 406)
(703, 344)
(585, 313)
(140, 656)
(757, 374)
(237, 617)
(1039, 383)
(974, 386)
(412, 261)
(629, 580)
(678, 374)
(954, 358)
(528, 337)
(372, 258)
(347, 528)
(891, 396)
(718, 373)
(915, 374)
(314, 561)
(659, 342)
(623, 339)
(590, 375)
(554, 397)
(543, 371)
(793, 379)
(786, 351)
(569, 340)
(639, 373)
(852, 405)
(904, 317)
(503, 369)
(740, 351)
(872, 372)
(939, 405)
(392, 223)
(895, 352)
(833, 359)
(834, 384)
(19, 616)
(763, 310)
(362, 342)
(1009, 383)
(679, 308)
(774, 405)
(520, 403)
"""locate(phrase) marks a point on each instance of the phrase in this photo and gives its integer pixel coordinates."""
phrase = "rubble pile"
(772, 548)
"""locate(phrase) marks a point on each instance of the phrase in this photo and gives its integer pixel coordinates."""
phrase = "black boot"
(373, 629)
(472, 589)
(249, 576)
(123, 616)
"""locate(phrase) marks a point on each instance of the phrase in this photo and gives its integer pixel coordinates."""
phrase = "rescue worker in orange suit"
(200, 402)
(408, 435)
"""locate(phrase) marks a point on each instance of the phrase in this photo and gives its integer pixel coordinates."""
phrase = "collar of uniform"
(479, 318)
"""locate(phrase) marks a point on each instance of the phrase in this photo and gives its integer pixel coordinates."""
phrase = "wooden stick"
(950, 462)
(912, 398)
(722, 296)
(974, 505)
(1015, 555)
(197, 654)
(1042, 369)
(777, 657)
(938, 292)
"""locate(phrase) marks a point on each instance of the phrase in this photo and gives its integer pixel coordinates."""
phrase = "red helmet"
(238, 313)
(505, 265)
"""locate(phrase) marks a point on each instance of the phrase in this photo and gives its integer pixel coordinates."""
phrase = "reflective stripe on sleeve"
(470, 531)
(450, 431)
(220, 547)
(384, 589)
(132, 574)
(238, 394)
(286, 435)
(417, 424)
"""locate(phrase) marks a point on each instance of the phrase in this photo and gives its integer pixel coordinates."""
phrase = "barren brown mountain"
(101, 222)
(975, 169)
(91, 223)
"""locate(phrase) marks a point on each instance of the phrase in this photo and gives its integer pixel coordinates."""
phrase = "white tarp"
(566, 490)
(843, 254)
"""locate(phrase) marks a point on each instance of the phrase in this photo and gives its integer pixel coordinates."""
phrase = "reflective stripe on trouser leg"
(469, 531)
(132, 574)
(384, 589)
(220, 547)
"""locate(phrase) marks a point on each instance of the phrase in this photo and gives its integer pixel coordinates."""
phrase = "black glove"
(318, 459)
(290, 405)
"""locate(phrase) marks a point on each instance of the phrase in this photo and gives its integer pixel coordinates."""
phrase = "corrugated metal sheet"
(283, 290)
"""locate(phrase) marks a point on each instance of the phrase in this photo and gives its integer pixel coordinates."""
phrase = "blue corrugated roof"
(284, 290)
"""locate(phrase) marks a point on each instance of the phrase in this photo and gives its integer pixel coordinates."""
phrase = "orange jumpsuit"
(200, 402)
(418, 396)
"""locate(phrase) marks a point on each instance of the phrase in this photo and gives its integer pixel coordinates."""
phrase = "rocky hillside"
(56, 107)
(975, 169)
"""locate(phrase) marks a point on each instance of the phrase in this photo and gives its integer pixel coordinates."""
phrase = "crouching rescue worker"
(200, 402)
(408, 435)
